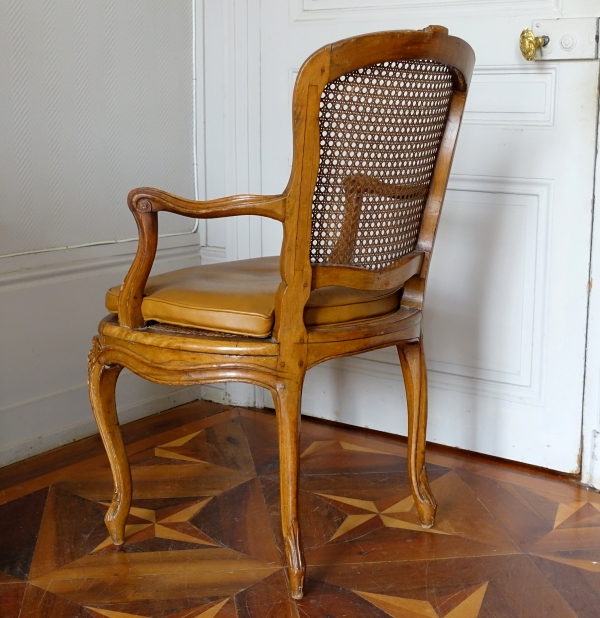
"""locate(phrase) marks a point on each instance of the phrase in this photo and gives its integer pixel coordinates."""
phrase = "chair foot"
(426, 504)
(295, 560)
(426, 514)
(297, 582)
(115, 519)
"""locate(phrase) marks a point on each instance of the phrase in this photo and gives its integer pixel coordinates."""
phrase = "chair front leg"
(102, 381)
(287, 404)
(414, 370)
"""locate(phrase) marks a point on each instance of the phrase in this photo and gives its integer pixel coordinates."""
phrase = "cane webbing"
(380, 131)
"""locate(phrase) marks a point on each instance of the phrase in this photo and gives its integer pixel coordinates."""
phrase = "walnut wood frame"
(280, 362)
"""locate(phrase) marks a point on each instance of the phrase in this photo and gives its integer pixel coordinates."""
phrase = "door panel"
(506, 309)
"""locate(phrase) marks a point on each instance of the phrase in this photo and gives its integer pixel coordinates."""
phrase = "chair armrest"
(146, 199)
(145, 203)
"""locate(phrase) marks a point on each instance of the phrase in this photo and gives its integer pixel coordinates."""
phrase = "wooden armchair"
(375, 120)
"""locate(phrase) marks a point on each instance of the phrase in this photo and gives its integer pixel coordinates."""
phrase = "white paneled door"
(506, 310)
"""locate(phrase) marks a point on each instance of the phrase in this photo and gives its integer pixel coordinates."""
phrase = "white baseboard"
(215, 393)
(237, 394)
(212, 255)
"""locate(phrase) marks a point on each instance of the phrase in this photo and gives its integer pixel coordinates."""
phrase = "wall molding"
(526, 387)
(213, 255)
(236, 57)
(338, 392)
(99, 251)
(527, 384)
(242, 173)
(80, 268)
(311, 10)
(535, 108)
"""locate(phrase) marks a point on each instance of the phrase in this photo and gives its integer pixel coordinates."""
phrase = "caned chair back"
(376, 120)
(380, 129)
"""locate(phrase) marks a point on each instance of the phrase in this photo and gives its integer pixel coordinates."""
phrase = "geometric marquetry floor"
(203, 537)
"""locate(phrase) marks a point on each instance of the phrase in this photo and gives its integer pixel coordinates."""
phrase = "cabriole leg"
(287, 403)
(414, 370)
(102, 381)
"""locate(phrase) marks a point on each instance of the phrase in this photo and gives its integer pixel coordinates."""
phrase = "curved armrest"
(145, 203)
(146, 199)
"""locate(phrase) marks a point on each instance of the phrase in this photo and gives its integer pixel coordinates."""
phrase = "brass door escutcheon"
(529, 43)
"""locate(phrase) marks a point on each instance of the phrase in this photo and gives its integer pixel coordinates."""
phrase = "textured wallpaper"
(95, 99)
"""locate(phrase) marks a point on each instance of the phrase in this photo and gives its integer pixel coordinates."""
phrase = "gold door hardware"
(529, 43)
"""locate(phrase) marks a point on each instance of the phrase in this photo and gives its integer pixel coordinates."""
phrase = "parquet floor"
(203, 537)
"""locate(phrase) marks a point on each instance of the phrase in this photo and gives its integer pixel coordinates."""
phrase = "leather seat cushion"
(239, 298)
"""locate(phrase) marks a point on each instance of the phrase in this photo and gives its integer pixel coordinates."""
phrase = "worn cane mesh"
(380, 131)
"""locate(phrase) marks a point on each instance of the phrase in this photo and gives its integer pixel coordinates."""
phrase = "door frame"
(590, 431)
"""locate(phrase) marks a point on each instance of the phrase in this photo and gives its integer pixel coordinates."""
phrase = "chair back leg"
(414, 370)
(102, 381)
(287, 398)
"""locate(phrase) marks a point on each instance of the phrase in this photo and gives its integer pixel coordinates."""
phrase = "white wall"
(231, 110)
(89, 111)
(95, 98)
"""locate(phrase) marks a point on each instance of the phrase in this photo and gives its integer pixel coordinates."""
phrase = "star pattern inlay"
(211, 612)
(462, 604)
(395, 516)
(168, 523)
(202, 538)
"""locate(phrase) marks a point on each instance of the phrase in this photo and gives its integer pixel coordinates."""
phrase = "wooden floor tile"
(65, 463)
(439, 587)
(580, 587)
(19, 525)
(191, 607)
(38, 603)
(11, 599)
(64, 539)
(323, 599)
(203, 538)
(238, 519)
(122, 576)
(268, 598)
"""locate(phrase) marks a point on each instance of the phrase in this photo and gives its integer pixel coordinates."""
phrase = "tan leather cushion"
(238, 297)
